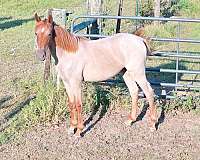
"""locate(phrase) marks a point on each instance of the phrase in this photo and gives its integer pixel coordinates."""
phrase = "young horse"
(78, 59)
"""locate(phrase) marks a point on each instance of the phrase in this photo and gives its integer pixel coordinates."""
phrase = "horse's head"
(44, 35)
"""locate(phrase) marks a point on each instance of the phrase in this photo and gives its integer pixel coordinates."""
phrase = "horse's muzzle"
(41, 54)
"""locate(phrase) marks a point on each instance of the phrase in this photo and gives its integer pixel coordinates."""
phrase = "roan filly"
(79, 59)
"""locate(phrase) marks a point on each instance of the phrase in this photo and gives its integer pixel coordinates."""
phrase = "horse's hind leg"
(133, 89)
(149, 93)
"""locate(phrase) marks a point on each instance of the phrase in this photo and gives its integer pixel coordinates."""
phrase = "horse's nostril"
(41, 54)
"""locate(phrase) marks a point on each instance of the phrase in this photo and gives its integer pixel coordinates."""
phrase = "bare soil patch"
(177, 137)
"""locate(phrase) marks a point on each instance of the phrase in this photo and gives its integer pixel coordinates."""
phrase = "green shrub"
(184, 104)
(166, 9)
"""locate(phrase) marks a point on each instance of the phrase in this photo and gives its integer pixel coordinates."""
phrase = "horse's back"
(107, 57)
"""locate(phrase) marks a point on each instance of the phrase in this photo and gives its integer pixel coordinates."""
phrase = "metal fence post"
(177, 52)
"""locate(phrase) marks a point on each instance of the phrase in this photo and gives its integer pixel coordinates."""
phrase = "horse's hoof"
(128, 122)
(70, 131)
(78, 134)
(75, 139)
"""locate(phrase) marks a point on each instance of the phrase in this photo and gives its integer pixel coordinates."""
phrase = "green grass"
(26, 8)
(50, 105)
(22, 74)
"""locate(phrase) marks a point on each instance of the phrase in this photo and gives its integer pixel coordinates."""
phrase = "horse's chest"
(69, 69)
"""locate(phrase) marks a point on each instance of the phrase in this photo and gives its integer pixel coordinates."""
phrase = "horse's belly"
(101, 72)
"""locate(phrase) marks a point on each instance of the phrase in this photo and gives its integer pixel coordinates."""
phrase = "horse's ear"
(37, 18)
(50, 19)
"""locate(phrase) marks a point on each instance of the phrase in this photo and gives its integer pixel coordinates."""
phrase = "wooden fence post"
(94, 8)
(156, 10)
(60, 18)
(47, 65)
(119, 14)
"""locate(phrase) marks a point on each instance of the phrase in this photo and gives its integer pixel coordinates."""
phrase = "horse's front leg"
(78, 104)
(73, 89)
(73, 112)
(72, 108)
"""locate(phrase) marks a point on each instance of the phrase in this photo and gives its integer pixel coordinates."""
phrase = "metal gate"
(87, 20)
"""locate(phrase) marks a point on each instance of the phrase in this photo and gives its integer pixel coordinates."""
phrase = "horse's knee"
(150, 93)
(79, 107)
(71, 105)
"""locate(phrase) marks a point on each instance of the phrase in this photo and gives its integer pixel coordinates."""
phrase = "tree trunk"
(95, 7)
(119, 14)
(156, 10)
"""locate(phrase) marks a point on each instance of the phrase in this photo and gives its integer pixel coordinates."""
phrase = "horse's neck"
(66, 41)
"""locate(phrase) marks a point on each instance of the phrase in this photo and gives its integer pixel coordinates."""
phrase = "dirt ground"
(107, 137)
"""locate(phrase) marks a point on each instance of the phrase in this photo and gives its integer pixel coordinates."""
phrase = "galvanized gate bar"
(83, 25)
(152, 38)
(177, 52)
(172, 54)
(91, 35)
(139, 18)
(172, 71)
(174, 40)
(112, 81)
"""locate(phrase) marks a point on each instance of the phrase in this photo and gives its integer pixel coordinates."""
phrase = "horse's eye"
(35, 33)
(49, 35)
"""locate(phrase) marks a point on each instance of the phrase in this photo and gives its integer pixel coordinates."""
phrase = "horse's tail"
(140, 32)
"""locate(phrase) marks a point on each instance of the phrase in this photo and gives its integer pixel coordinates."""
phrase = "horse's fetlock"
(80, 126)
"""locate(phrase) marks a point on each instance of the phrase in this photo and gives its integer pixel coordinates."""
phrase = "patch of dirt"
(177, 137)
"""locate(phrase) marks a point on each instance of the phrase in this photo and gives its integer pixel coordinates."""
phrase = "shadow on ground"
(102, 106)
(14, 111)
(161, 118)
(13, 23)
(103, 101)
(4, 18)
(4, 100)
